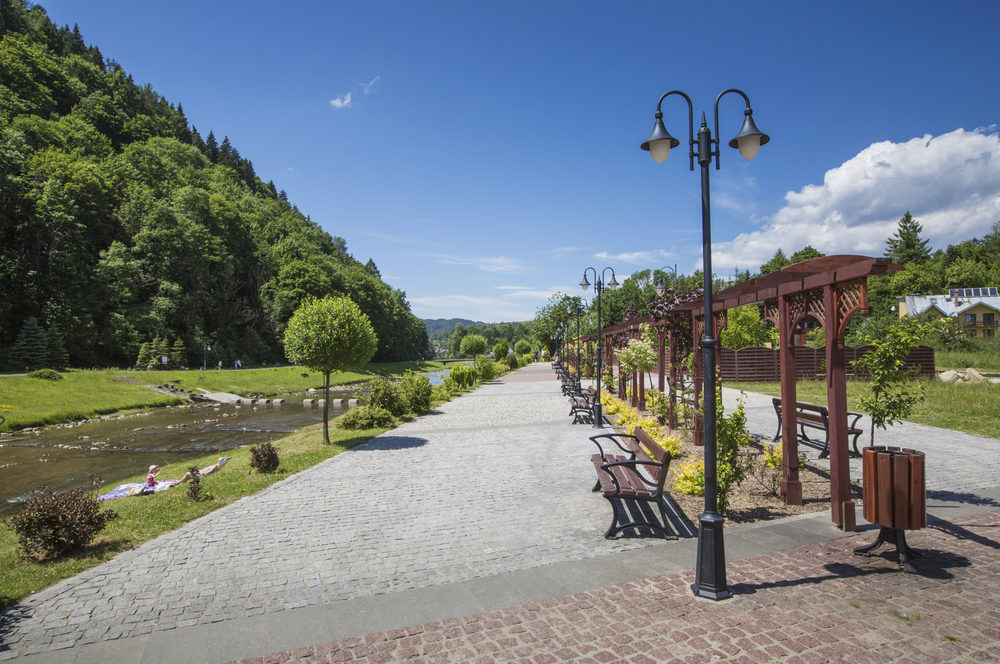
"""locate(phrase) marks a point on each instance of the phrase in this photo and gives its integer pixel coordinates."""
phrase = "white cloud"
(950, 183)
(482, 308)
(485, 263)
(366, 88)
(562, 252)
(343, 101)
(633, 257)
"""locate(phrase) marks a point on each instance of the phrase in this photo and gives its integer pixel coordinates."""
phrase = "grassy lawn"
(142, 518)
(970, 407)
(84, 394)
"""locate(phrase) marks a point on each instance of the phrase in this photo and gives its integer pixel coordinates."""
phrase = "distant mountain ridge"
(447, 324)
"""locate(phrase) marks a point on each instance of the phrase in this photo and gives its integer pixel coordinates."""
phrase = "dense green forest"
(122, 229)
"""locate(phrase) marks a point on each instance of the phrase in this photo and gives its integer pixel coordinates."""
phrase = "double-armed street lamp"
(661, 284)
(598, 287)
(710, 572)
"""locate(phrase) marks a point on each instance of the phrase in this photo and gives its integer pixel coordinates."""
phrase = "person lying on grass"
(154, 470)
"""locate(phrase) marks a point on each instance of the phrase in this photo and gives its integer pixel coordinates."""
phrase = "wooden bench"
(581, 405)
(619, 477)
(818, 417)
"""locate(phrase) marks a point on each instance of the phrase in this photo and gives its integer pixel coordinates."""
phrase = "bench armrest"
(857, 416)
(612, 437)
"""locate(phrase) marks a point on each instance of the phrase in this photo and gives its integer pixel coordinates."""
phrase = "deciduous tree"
(327, 335)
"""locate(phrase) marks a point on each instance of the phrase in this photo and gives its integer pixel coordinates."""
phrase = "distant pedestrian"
(220, 365)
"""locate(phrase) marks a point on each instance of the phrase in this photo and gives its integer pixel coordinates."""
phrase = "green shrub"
(384, 393)
(264, 458)
(367, 417)
(500, 349)
(194, 485)
(487, 370)
(511, 361)
(56, 523)
(46, 374)
(463, 377)
(416, 391)
(732, 438)
(610, 384)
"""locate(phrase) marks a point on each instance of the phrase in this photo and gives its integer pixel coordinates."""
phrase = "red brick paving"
(816, 603)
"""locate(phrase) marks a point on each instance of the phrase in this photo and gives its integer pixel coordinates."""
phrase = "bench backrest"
(800, 406)
(659, 455)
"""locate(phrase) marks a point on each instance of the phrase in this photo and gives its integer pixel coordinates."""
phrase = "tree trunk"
(326, 408)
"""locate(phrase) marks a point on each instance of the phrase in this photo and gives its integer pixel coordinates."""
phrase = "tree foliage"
(894, 391)
(120, 224)
(327, 335)
(744, 327)
(906, 245)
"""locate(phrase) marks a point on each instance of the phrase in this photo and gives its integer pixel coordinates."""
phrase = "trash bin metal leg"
(895, 536)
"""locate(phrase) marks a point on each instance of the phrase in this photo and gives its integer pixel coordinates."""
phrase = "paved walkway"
(377, 539)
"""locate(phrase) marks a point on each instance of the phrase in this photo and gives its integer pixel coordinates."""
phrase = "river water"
(115, 447)
(118, 446)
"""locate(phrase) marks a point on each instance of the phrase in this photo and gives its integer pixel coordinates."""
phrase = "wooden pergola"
(829, 290)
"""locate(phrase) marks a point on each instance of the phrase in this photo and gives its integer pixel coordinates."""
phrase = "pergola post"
(841, 505)
(791, 486)
(672, 414)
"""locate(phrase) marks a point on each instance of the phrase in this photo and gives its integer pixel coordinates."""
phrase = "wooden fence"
(761, 364)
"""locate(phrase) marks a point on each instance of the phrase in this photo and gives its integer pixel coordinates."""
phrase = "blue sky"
(484, 153)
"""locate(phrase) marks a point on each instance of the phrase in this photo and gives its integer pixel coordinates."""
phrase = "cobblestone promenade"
(471, 534)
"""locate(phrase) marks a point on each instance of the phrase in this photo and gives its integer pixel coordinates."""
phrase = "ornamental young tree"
(474, 345)
(894, 390)
(327, 335)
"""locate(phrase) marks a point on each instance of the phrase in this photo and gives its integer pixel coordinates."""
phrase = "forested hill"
(120, 225)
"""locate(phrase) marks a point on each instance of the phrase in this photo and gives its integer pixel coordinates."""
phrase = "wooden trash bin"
(894, 498)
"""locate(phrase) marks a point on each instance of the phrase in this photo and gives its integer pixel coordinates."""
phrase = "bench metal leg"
(618, 523)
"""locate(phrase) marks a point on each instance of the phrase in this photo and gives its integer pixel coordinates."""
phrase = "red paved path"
(815, 603)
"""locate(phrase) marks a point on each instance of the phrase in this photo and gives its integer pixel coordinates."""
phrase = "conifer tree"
(177, 353)
(906, 245)
(31, 349)
(212, 148)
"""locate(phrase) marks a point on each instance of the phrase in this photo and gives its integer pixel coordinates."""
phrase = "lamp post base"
(598, 416)
(710, 573)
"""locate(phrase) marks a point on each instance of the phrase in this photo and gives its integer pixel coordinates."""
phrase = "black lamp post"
(579, 310)
(598, 287)
(710, 574)
(661, 285)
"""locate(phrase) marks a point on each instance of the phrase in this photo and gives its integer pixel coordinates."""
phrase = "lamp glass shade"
(613, 284)
(749, 146)
(749, 140)
(660, 141)
(584, 284)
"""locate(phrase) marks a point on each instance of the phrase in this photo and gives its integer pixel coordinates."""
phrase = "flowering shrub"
(690, 477)
(629, 418)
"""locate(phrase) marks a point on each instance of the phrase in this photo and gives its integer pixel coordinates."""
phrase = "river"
(118, 446)
(115, 447)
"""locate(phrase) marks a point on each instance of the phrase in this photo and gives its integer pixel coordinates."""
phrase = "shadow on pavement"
(392, 443)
